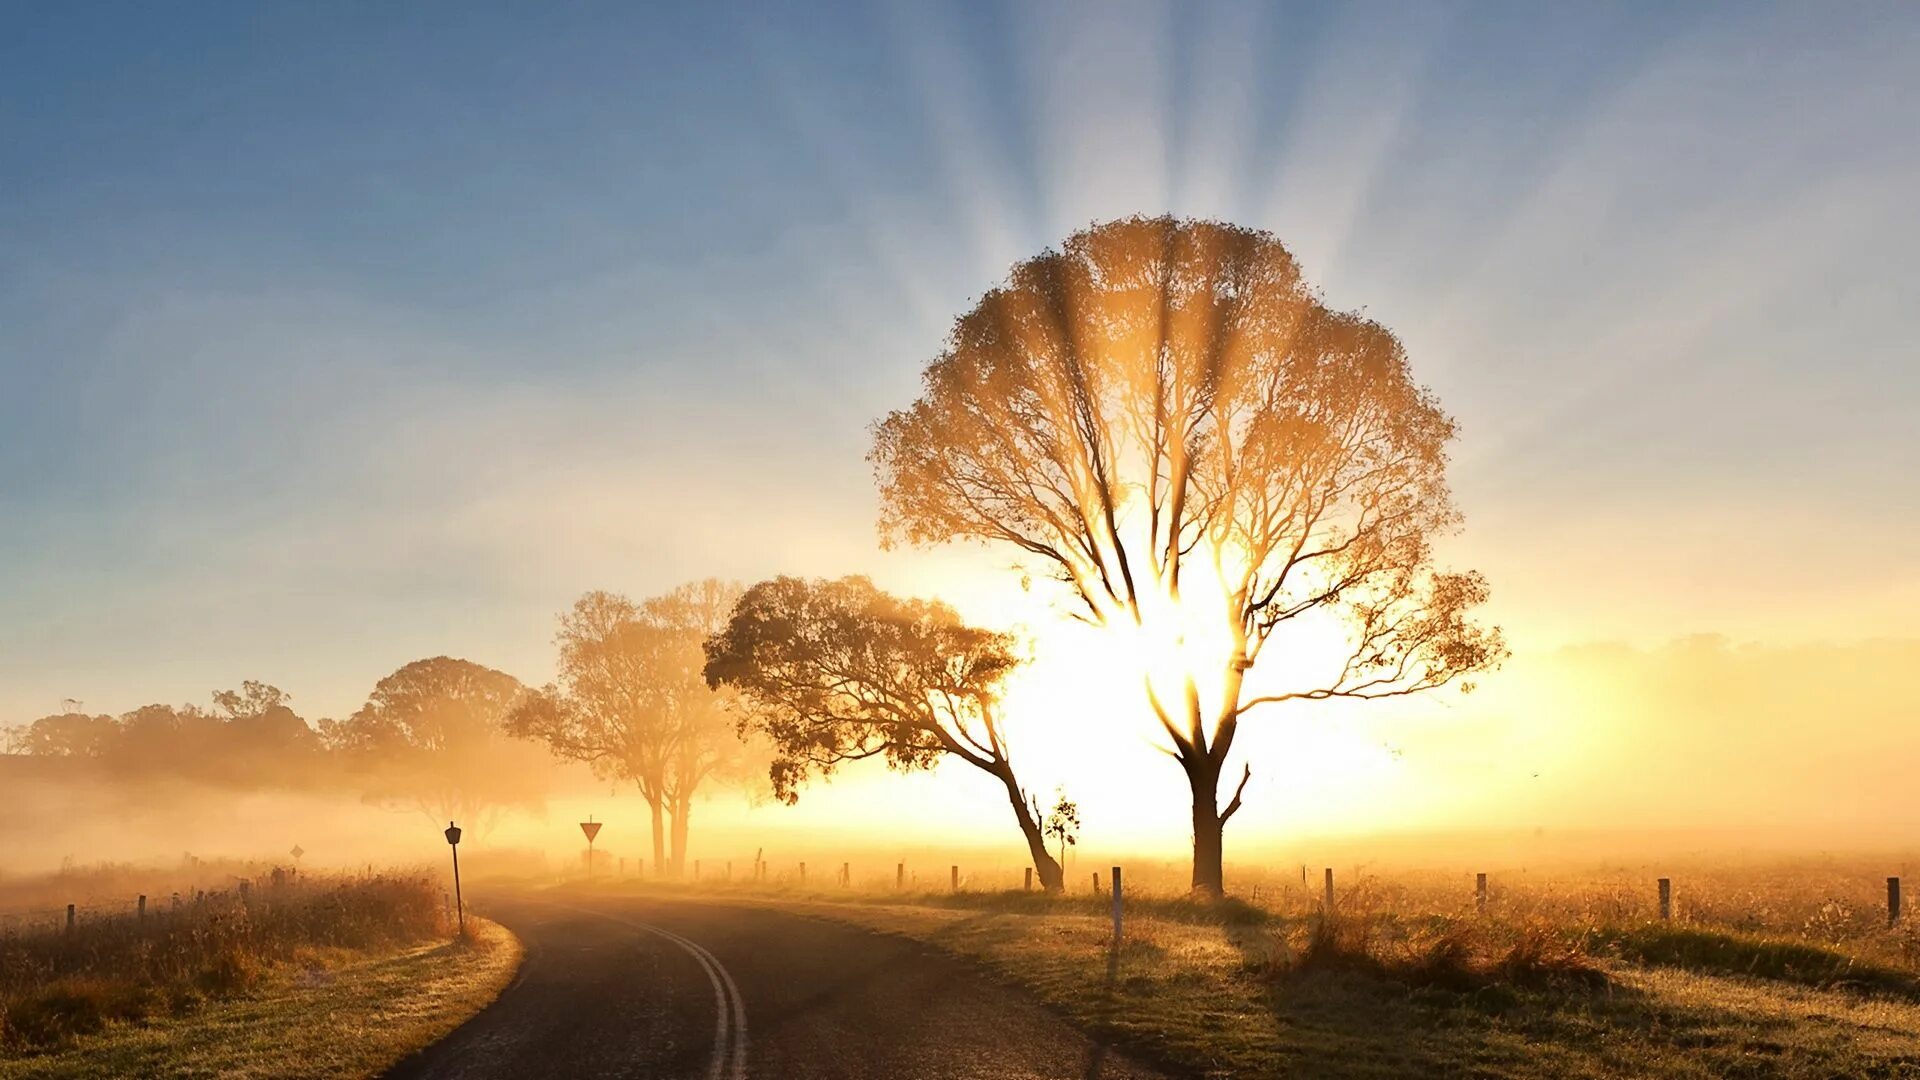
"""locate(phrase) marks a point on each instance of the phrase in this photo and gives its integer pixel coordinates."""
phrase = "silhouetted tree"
(432, 734)
(836, 671)
(1063, 823)
(1163, 416)
(631, 702)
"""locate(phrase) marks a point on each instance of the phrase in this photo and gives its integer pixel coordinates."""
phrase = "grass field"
(1768, 971)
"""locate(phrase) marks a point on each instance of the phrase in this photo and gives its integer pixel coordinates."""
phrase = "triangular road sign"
(591, 828)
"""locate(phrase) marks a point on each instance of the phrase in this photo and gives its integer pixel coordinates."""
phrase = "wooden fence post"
(899, 875)
(1326, 899)
(69, 918)
(1480, 892)
(1028, 887)
(956, 879)
(143, 905)
(803, 873)
(1116, 908)
(1096, 883)
(1893, 901)
(1666, 899)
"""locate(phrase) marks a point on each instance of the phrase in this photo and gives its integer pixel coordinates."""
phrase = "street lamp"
(453, 841)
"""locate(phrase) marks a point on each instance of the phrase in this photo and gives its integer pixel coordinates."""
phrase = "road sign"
(297, 851)
(591, 828)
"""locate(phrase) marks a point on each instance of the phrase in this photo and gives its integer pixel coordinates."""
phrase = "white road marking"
(730, 1009)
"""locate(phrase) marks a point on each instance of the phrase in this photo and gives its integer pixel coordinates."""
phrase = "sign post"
(592, 829)
(453, 841)
(299, 851)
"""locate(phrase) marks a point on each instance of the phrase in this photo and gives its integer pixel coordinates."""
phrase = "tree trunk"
(659, 838)
(681, 808)
(1209, 877)
(1052, 878)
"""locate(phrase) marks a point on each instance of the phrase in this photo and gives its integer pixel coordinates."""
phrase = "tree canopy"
(432, 735)
(1162, 415)
(837, 671)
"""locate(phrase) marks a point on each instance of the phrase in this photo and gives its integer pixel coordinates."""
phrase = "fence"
(72, 915)
(1652, 895)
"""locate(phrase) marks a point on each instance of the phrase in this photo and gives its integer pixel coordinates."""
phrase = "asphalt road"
(686, 990)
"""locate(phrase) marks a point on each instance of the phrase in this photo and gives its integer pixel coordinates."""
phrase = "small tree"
(1063, 823)
(837, 671)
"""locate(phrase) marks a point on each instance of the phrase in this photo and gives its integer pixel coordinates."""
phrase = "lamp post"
(453, 841)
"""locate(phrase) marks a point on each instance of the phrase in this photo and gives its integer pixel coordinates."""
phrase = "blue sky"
(336, 335)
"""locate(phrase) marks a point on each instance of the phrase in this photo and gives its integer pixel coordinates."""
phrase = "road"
(676, 989)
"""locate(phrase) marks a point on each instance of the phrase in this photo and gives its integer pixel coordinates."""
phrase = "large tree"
(1162, 415)
(432, 737)
(631, 701)
(836, 671)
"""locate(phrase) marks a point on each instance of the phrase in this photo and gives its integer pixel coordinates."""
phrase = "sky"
(337, 336)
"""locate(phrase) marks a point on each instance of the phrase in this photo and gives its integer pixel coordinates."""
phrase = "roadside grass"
(60, 984)
(323, 1013)
(1376, 992)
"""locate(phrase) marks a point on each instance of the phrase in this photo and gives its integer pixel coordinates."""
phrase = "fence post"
(1666, 900)
(846, 875)
(1893, 901)
(956, 879)
(1480, 892)
(69, 918)
(143, 905)
(803, 874)
(1028, 887)
(899, 875)
(1096, 883)
(1326, 900)
(1116, 908)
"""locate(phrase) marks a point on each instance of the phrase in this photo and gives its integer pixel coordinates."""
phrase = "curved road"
(685, 990)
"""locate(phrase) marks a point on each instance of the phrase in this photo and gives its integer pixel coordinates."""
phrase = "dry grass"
(332, 1014)
(1766, 972)
(323, 977)
(57, 985)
